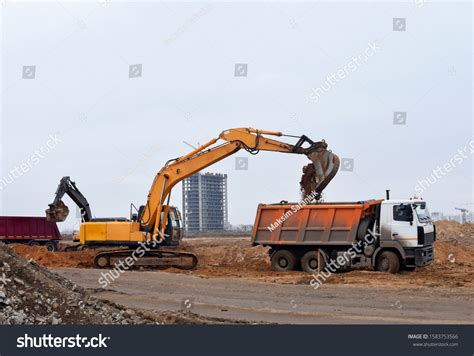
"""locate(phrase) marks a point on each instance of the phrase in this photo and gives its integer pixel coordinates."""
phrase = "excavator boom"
(325, 163)
(157, 224)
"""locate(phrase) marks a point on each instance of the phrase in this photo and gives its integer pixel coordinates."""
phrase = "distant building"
(436, 216)
(241, 227)
(467, 218)
(205, 202)
(457, 218)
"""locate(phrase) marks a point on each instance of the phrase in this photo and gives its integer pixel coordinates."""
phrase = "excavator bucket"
(57, 212)
(317, 176)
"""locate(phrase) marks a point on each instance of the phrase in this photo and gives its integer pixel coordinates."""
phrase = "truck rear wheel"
(309, 261)
(283, 261)
(51, 246)
(34, 243)
(388, 261)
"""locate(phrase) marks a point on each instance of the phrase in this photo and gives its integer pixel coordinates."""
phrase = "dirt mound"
(454, 232)
(42, 256)
(448, 252)
(237, 253)
(30, 294)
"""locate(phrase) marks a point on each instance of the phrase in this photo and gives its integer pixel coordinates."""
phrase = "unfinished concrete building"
(205, 202)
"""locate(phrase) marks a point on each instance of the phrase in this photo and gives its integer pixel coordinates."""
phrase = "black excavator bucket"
(57, 212)
(317, 176)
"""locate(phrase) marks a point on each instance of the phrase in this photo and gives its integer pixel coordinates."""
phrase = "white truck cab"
(408, 225)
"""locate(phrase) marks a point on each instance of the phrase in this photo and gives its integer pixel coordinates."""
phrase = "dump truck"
(387, 235)
(30, 230)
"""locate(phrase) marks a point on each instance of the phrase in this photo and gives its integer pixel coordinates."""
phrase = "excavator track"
(151, 258)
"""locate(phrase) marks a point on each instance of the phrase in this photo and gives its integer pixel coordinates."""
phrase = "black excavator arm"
(58, 211)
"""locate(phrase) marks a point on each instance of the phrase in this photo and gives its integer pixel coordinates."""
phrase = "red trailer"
(29, 230)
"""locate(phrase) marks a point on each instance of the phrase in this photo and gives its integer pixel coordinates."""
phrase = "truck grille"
(424, 256)
(425, 238)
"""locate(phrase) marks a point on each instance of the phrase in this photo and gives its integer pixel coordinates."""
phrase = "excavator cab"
(174, 226)
(173, 229)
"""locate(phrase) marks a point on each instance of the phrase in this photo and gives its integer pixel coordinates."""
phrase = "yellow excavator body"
(111, 231)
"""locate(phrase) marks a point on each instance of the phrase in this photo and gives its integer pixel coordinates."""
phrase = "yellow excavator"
(157, 224)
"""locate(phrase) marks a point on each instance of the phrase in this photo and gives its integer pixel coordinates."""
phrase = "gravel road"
(241, 299)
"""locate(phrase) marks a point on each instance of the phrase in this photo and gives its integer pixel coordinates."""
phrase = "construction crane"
(157, 224)
(464, 215)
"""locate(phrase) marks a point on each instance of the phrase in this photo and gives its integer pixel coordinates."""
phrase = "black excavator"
(58, 211)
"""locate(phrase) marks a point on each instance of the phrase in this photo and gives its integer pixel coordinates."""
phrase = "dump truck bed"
(21, 228)
(312, 224)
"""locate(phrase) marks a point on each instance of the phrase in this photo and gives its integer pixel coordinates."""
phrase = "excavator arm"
(153, 216)
(58, 211)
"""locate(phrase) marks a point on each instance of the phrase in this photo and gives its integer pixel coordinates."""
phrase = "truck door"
(403, 227)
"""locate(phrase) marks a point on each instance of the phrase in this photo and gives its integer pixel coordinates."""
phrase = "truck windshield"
(422, 212)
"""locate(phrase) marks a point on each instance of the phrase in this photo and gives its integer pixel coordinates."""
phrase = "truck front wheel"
(283, 261)
(388, 261)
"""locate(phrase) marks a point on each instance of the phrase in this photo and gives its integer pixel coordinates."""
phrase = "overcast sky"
(115, 131)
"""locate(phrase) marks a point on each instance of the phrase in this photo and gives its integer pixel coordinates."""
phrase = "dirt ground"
(235, 257)
(255, 302)
(234, 283)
